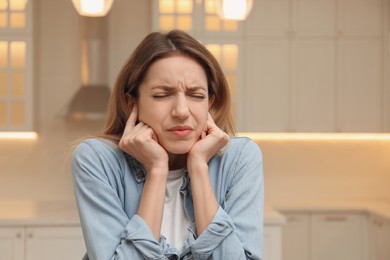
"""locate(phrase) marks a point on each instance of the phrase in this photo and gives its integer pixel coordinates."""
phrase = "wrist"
(197, 169)
(157, 172)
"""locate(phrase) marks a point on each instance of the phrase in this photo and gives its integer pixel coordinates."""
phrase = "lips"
(181, 131)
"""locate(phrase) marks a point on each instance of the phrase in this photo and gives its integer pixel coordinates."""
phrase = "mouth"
(181, 131)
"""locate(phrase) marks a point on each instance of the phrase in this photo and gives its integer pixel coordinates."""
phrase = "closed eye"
(159, 96)
(162, 94)
(197, 93)
(198, 96)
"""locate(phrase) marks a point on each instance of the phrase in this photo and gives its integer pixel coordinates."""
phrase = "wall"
(39, 169)
(326, 170)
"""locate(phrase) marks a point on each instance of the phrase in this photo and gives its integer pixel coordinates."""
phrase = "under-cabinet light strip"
(18, 135)
(316, 136)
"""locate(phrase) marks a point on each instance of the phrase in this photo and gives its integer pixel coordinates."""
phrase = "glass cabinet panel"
(16, 101)
(175, 14)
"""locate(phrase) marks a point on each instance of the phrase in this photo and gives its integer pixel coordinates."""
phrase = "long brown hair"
(157, 46)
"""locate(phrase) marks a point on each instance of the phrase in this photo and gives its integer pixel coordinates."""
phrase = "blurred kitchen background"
(309, 81)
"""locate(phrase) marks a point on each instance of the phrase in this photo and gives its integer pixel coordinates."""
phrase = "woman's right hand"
(140, 141)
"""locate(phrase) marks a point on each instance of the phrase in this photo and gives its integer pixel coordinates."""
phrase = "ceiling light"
(233, 9)
(92, 8)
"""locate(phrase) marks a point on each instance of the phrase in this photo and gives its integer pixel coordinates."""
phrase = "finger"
(210, 124)
(133, 117)
(210, 119)
(154, 136)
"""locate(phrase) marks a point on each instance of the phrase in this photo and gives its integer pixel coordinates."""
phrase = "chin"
(179, 147)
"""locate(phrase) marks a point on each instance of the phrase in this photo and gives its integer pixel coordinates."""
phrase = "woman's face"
(173, 101)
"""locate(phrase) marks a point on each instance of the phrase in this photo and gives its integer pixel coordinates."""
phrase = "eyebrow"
(170, 88)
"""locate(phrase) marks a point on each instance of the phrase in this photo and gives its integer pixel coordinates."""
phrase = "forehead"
(176, 69)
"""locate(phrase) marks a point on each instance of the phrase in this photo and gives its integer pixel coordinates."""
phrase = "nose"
(180, 108)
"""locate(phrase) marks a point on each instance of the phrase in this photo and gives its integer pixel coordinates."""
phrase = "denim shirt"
(108, 184)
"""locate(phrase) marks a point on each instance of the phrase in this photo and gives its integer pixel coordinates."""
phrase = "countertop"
(64, 213)
(38, 213)
(376, 207)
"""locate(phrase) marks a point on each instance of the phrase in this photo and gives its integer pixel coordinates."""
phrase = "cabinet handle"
(336, 218)
(378, 223)
(290, 219)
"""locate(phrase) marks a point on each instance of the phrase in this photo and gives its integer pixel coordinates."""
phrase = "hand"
(140, 141)
(210, 142)
(205, 203)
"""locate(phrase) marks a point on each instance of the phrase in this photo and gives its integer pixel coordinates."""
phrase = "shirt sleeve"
(236, 231)
(108, 232)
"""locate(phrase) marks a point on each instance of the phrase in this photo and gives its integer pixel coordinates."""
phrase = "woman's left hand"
(210, 142)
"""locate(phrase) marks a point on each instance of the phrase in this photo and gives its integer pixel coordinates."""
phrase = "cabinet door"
(314, 18)
(296, 237)
(361, 17)
(272, 242)
(361, 85)
(266, 94)
(313, 85)
(379, 229)
(268, 18)
(60, 243)
(11, 243)
(338, 237)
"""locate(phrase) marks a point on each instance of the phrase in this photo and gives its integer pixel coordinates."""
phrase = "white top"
(175, 222)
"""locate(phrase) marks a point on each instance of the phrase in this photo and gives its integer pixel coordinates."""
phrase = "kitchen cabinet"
(338, 236)
(16, 66)
(11, 243)
(41, 243)
(315, 66)
(320, 236)
(303, 65)
(296, 237)
(379, 229)
(272, 242)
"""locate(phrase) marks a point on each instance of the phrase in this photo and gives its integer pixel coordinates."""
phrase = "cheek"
(150, 116)
(202, 115)
(143, 113)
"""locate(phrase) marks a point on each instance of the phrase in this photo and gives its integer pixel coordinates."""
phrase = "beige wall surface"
(40, 169)
(326, 170)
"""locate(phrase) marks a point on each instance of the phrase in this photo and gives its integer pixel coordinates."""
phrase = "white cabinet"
(296, 237)
(332, 235)
(11, 243)
(272, 242)
(60, 243)
(314, 18)
(267, 96)
(315, 66)
(361, 85)
(379, 229)
(338, 236)
(41, 243)
(268, 18)
(16, 66)
(313, 91)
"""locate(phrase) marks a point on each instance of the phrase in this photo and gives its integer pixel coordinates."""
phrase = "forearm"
(221, 240)
(205, 203)
(151, 204)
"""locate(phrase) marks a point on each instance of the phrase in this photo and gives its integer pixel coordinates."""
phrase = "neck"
(177, 161)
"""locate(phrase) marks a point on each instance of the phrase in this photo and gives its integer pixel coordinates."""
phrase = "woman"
(164, 180)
